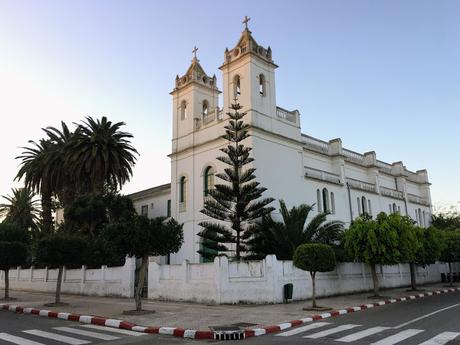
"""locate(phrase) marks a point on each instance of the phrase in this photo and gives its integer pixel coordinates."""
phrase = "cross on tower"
(195, 49)
(245, 21)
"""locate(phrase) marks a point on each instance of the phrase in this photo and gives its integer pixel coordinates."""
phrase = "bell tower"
(249, 75)
(195, 96)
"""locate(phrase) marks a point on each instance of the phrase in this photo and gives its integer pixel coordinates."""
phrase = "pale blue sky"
(382, 75)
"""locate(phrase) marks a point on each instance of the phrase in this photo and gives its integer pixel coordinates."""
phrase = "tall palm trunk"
(140, 283)
(7, 284)
(375, 280)
(47, 217)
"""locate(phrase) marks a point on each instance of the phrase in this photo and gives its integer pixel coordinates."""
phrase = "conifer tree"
(236, 204)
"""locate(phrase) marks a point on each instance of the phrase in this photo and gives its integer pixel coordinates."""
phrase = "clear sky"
(382, 75)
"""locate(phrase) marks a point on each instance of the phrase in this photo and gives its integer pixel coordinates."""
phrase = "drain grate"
(230, 332)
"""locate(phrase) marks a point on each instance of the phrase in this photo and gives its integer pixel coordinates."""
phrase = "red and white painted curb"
(218, 335)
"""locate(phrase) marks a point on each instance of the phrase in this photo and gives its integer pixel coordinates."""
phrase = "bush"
(451, 250)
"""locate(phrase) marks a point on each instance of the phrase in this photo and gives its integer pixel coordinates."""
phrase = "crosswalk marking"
(362, 334)
(398, 337)
(17, 340)
(88, 334)
(303, 329)
(57, 337)
(115, 330)
(442, 338)
(330, 331)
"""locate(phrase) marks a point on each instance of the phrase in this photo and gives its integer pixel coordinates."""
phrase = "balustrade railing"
(321, 175)
(353, 156)
(361, 185)
(385, 167)
(417, 199)
(315, 144)
(284, 114)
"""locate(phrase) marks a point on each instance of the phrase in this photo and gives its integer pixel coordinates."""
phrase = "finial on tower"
(245, 21)
(195, 49)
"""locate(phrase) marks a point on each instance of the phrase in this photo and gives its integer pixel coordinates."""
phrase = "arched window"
(261, 85)
(326, 207)
(236, 86)
(182, 190)
(395, 209)
(208, 180)
(183, 110)
(318, 200)
(332, 203)
(205, 109)
(369, 208)
(363, 205)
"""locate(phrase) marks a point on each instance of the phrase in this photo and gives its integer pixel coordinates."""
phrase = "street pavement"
(432, 320)
(33, 330)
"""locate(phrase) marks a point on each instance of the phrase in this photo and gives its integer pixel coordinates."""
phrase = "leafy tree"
(143, 237)
(282, 238)
(61, 250)
(236, 204)
(446, 221)
(451, 250)
(101, 154)
(21, 209)
(13, 250)
(314, 258)
(369, 242)
(429, 249)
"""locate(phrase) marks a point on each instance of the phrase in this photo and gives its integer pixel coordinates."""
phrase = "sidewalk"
(198, 316)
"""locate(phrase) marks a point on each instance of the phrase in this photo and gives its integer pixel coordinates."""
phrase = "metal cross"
(245, 21)
(195, 49)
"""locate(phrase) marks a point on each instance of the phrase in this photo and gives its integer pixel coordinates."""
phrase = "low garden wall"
(262, 281)
(104, 281)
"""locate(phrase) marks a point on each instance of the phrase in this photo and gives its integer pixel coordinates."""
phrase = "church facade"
(293, 166)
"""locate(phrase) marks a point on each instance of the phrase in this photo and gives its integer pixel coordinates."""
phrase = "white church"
(293, 166)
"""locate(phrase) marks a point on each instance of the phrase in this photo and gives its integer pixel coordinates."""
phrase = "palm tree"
(282, 238)
(101, 155)
(21, 209)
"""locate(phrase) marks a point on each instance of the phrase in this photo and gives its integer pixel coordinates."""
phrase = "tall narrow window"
(261, 85)
(182, 189)
(208, 180)
(420, 217)
(359, 206)
(369, 207)
(168, 209)
(183, 110)
(390, 208)
(236, 86)
(416, 217)
(318, 200)
(363, 205)
(395, 209)
(326, 207)
(332, 203)
(205, 109)
(424, 219)
(145, 210)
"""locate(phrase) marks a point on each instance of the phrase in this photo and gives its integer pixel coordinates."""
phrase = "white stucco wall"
(224, 282)
(105, 281)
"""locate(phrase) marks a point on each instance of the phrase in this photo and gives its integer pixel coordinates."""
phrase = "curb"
(215, 335)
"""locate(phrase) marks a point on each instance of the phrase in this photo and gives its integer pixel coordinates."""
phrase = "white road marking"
(398, 337)
(57, 337)
(362, 334)
(17, 340)
(84, 333)
(327, 332)
(441, 338)
(425, 316)
(303, 329)
(114, 330)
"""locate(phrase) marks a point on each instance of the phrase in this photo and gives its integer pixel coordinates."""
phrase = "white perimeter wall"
(105, 281)
(262, 281)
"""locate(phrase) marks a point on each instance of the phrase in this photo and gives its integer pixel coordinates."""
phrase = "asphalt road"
(33, 330)
(432, 320)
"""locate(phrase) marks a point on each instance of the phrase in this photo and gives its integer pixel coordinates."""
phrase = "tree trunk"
(413, 276)
(375, 280)
(57, 299)
(313, 291)
(47, 211)
(7, 284)
(140, 283)
(451, 275)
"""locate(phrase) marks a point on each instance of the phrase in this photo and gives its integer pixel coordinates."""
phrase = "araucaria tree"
(236, 204)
